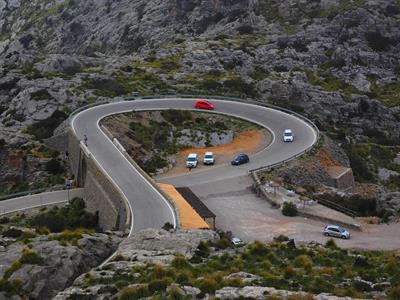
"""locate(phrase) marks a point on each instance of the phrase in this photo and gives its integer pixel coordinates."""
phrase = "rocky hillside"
(43, 250)
(336, 61)
(202, 265)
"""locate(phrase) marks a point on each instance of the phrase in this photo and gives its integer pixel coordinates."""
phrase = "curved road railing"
(250, 101)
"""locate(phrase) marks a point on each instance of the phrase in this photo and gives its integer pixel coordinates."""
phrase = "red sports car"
(203, 104)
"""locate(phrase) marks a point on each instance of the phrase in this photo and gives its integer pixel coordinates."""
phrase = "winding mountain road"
(148, 206)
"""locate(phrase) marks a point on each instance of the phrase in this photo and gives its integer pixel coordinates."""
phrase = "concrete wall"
(345, 180)
(100, 195)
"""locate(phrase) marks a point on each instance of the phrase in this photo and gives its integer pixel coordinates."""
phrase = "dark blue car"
(240, 159)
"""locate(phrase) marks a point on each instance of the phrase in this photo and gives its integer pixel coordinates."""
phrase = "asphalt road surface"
(149, 208)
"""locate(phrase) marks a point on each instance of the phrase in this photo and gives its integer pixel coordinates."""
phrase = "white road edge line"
(154, 189)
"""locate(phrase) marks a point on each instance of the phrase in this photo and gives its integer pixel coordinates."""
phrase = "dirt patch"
(249, 142)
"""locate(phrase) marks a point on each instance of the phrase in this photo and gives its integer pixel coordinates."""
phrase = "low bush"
(159, 285)
(289, 209)
(41, 95)
(54, 167)
(180, 263)
(71, 217)
(132, 293)
(70, 237)
(10, 287)
(30, 257)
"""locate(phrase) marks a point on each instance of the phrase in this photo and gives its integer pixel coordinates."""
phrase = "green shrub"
(207, 285)
(10, 287)
(258, 249)
(180, 262)
(71, 217)
(159, 285)
(175, 293)
(41, 95)
(184, 277)
(54, 167)
(14, 267)
(203, 249)
(394, 293)
(176, 116)
(289, 209)
(31, 258)
(303, 261)
(133, 293)
(71, 237)
(331, 244)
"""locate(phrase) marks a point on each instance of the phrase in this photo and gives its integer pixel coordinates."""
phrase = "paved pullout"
(150, 209)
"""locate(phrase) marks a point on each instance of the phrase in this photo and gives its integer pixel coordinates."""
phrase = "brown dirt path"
(249, 142)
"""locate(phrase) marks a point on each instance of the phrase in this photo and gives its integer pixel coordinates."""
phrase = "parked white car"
(236, 241)
(192, 160)
(288, 135)
(209, 158)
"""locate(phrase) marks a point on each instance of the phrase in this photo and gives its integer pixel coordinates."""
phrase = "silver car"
(336, 231)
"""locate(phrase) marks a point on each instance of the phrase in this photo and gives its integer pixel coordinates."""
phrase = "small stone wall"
(342, 177)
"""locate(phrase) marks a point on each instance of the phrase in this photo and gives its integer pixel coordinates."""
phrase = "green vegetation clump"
(70, 217)
(70, 236)
(41, 95)
(28, 257)
(289, 209)
(278, 264)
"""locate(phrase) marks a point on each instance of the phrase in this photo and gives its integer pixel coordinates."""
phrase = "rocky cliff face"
(335, 61)
(47, 265)
(331, 59)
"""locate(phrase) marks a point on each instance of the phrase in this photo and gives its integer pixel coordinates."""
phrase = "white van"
(191, 160)
(208, 158)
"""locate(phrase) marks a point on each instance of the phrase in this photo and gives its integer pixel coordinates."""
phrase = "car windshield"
(288, 134)
(341, 229)
(191, 159)
(208, 156)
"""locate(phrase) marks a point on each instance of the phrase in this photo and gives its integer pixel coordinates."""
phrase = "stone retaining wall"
(101, 196)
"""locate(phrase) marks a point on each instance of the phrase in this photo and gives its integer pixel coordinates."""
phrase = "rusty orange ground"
(249, 142)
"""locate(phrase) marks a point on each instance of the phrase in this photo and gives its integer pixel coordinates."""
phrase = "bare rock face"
(161, 246)
(59, 264)
(390, 201)
(149, 245)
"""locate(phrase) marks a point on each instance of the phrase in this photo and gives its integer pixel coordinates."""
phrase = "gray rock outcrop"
(61, 263)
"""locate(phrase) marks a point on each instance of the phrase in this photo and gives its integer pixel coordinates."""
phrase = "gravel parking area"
(251, 218)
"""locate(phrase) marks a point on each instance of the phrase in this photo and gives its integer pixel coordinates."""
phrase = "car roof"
(208, 153)
(192, 155)
(334, 226)
(202, 100)
(288, 131)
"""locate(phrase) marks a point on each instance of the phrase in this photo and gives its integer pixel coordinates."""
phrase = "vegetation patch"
(158, 133)
(282, 265)
(70, 217)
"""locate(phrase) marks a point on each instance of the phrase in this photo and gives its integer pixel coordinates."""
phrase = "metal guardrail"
(338, 207)
(250, 101)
